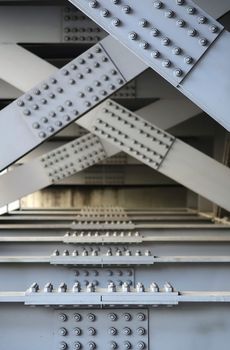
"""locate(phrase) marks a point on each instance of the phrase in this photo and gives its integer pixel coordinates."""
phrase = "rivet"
(143, 22)
(178, 72)
(176, 50)
(126, 9)
(188, 59)
(155, 54)
(93, 4)
(214, 29)
(116, 22)
(77, 331)
(63, 346)
(155, 32)
(180, 23)
(105, 13)
(44, 120)
(166, 63)
(144, 45)
(180, 2)
(165, 41)
(112, 317)
(20, 103)
(133, 35)
(191, 10)
(158, 4)
(169, 14)
(26, 112)
(192, 32)
(51, 95)
(65, 72)
(203, 42)
(202, 19)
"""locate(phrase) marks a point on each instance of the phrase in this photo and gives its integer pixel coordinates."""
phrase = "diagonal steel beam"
(64, 97)
(161, 151)
(127, 132)
(178, 40)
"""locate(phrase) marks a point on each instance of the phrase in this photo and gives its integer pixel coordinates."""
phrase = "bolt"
(140, 316)
(202, 19)
(92, 345)
(176, 50)
(91, 331)
(127, 331)
(157, 5)
(214, 29)
(113, 345)
(104, 13)
(154, 287)
(127, 345)
(203, 42)
(112, 331)
(165, 41)
(91, 317)
(63, 346)
(62, 331)
(34, 288)
(62, 288)
(116, 22)
(77, 331)
(168, 287)
(93, 4)
(62, 317)
(77, 345)
(140, 331)
(178, 72)
(77, 317)
(140, 345)
(188, 59)
(112, 317)
(191, 10)
(48, 288)
(133, 35)
(169, 14)
(155, 54)
(140, 287)
(126, 9)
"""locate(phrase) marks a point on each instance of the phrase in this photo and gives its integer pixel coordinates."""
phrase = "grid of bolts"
(72, 91)
(171, 36)
(120, 330)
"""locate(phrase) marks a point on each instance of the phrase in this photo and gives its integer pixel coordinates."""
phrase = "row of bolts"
(90, 288)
